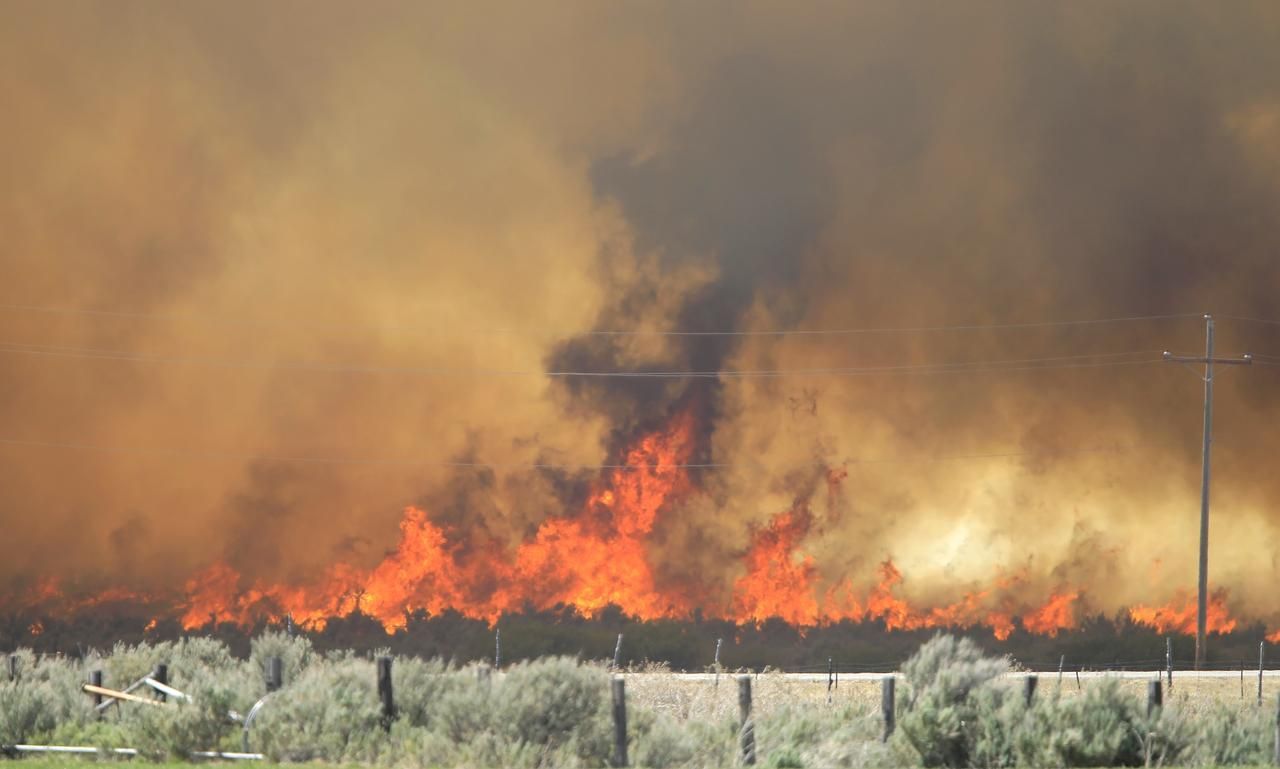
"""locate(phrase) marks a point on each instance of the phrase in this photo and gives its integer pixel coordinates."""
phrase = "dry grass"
(658, 689)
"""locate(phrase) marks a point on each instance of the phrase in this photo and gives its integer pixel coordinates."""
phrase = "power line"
(1086, 360)
(1263, 321)
(910, 329)
(406, 462)
(1263, 359)
(655, 332)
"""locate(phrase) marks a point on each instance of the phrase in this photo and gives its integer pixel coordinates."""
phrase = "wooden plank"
(116, 695)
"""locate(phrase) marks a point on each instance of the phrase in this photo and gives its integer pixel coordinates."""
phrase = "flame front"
(587, 561)
(600, 556)
(1179, 615)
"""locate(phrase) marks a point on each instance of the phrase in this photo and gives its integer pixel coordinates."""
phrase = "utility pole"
(1208, 360)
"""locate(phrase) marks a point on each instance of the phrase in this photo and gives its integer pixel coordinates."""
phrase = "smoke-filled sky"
(363, 231)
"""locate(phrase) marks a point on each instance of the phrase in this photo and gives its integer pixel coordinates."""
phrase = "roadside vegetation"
(955, 707)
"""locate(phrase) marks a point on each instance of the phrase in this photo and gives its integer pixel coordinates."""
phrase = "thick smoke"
(424, 191)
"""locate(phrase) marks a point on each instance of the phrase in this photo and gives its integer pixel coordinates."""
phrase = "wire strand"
(1087, 360)
(241, 457)
(655, 332)
(1263, 321)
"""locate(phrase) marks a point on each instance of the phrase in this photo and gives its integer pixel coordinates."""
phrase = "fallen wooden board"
(117, 695)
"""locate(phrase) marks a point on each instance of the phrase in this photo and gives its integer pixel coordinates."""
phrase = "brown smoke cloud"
(423, 191)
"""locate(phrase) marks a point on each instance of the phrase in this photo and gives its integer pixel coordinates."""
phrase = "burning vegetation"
(600, 557)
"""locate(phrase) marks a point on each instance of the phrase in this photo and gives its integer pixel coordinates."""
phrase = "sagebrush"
(957, 707)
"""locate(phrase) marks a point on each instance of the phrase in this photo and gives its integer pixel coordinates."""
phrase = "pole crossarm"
(1243, 360)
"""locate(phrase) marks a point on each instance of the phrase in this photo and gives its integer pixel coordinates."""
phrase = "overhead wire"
(1086, 360)
(463, 464)
(1263, 321)
(13, 307)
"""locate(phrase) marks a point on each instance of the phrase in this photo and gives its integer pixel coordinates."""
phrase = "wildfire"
(777, 584)
(1179, 615)
(588, 561)
(599, 555)
(781, 583)
(1058, 613)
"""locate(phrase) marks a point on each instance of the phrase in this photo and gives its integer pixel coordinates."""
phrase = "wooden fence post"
(384, 692)
(13, 667)
(497, 648)
(1062, 661)
(619, 721)
(831, 679)
(1261, 647)
(716, 662)
(617, 652)
(275, 674)
(1029, 689)
(748, 725)
(1155, 698)
(887, 706)
(161, 675)
(95, 678)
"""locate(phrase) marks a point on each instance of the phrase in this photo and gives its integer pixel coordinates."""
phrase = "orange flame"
(1058, 613)
(1179, 615)
(776, 583)
(587, 561)
(780, 583)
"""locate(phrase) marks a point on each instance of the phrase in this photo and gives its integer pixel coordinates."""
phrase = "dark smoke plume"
(270, 193)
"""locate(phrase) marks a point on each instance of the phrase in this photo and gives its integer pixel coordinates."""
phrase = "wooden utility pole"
(1203, 582)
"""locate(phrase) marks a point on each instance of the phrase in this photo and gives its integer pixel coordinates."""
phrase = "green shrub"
(46, 694)
(553, 702)
(958, 713)
(1000, 720)
(665, 744)
(26, 709)
(940, 710)
(420, 686)
(181, 727)
(331, 712)
(126, 664)
(1232, 736)
(798, 735)
(295, 653)
(1104, 727)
